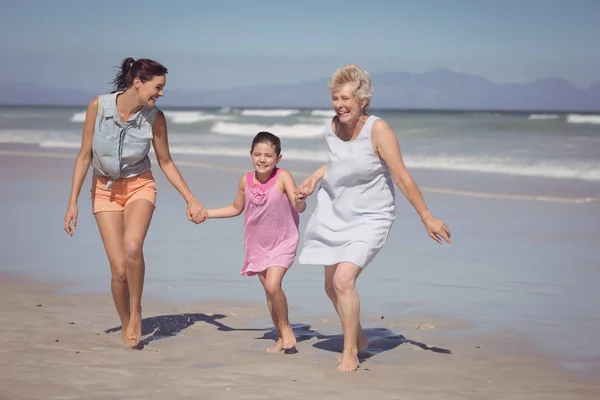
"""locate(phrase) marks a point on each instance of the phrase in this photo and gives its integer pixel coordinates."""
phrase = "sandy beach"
(437, 331)
(57, 346)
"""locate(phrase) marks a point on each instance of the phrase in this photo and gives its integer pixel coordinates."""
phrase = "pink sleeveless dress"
(270, 226)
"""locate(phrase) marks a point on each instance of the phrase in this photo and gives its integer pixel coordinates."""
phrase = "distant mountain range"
(439, 89)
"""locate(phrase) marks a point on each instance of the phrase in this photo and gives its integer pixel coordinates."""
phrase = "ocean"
(565, 146)
(520, 191)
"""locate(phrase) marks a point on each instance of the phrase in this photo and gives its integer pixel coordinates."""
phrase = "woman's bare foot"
(134, 330)
(288, 337)
(349, 361)
(362, 343)
(276, 348)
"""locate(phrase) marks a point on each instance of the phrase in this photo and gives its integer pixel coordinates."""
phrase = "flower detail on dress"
(258, 196)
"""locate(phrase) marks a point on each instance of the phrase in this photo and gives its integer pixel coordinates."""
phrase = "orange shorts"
(122, 192)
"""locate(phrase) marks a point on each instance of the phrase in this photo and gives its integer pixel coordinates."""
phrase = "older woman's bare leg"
(362, 343)
(345, 298)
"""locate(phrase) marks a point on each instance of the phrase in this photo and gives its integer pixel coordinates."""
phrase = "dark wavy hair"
(144, 69)
(269, 138)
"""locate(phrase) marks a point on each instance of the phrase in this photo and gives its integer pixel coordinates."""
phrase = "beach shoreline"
(57, 346)
(193, 275)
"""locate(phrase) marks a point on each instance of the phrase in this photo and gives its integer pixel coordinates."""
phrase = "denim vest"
(120, 150)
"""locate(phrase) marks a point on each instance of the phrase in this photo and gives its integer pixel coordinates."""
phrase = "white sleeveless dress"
(355, 203)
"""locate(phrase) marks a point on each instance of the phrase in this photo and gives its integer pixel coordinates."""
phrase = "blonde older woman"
(356, 202)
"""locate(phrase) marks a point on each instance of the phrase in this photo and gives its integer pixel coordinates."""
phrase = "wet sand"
(67, 346)
(444, 323)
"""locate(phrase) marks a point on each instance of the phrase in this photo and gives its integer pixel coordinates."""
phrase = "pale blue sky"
(216, 44)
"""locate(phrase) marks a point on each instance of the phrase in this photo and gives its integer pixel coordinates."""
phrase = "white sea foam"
(20, 115)
(297, 131)
(583, 119)
(546, 168)
(288, 154)
(175, 117)
(269, 113)
(560, 169)
(78, 117)
(190, 117)
(58, 144)
(322, 113)
(39, 136)
(543, 169)
(543, 116)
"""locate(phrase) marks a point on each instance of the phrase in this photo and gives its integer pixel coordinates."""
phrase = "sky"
(222, 44)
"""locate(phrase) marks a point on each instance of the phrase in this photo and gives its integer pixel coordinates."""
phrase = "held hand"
(195, 211)
(437, 229)
(306, 188)
(70, 222)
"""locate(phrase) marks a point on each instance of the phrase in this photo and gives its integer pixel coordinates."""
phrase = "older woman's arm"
(308, 185)
(388, 149)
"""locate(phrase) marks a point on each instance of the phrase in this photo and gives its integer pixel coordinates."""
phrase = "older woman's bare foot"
(134, 330)
(288, 337)
(362, 343)
(276, 348)
(349, 361)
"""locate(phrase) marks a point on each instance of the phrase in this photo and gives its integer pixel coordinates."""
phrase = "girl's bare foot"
(276, 348)
(349, 361)
(134, 330)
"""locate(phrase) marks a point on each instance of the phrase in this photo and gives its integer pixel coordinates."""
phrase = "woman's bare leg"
(111, 226)
(138, 215)
(342, 279)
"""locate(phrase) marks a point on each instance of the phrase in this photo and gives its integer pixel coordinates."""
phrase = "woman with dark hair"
(117, 134)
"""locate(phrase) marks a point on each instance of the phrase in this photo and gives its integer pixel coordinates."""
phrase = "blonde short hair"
(358, 77)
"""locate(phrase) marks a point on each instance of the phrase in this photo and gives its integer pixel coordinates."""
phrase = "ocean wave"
(59, 144)
(78, 117)
(297, 131)
(543, 116)
(39, 136)
(313, 120)
(322, 113)
(583, 119)
(190, 117)
(288, 154)
(20, 115)
(269, 113)
(544, 168)
(508, 166)
(175, 117)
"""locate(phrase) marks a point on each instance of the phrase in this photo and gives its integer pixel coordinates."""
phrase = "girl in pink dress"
(267, 196)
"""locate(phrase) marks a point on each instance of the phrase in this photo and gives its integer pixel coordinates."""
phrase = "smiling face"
(345, 104)
(264, 158)
(150, 91)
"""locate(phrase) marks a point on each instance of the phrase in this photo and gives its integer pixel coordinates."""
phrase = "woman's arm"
(234, 209)
(82, 164)
(195, 210)
(289, 186)
(308, 186)
(388, 149)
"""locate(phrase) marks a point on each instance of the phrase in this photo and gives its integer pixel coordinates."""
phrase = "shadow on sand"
(165, 326)
(380, 339)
